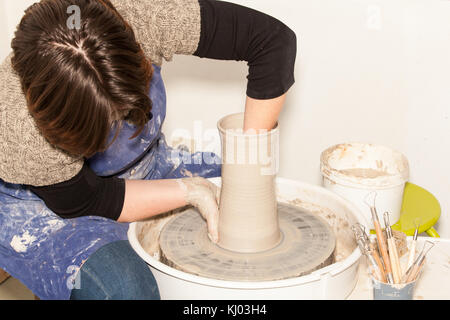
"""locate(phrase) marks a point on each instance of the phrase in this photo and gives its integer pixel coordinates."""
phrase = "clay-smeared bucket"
(248, 205)
(354, 170)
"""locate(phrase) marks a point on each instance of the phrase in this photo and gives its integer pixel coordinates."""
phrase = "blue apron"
(45, 251)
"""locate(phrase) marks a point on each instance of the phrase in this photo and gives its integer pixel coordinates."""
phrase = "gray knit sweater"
(163, 27)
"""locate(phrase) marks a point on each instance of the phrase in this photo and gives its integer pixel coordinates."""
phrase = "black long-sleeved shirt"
(228, 32)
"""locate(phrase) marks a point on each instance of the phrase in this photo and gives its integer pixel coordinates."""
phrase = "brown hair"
(77, 82)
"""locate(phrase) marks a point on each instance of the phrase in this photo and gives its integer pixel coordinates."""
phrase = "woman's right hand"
(147, 198)
(204, 195)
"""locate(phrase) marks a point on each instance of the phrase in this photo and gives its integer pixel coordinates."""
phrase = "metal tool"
(373, 252)
(412, 250)
(364, 246)
(413, 271)
(418, 263)
(416, 272)
(393, 254)
(370, 201)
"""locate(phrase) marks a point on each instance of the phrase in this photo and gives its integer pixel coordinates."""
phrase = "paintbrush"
(380, 236)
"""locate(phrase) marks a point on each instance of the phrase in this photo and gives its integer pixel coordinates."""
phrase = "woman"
(81, 148)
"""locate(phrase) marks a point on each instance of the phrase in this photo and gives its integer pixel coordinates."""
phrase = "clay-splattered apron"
(45, 251)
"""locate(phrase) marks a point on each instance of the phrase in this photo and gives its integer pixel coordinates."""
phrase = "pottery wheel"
(307, 244)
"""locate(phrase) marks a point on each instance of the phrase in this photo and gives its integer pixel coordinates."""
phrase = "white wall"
(11, 11)
(367, 70)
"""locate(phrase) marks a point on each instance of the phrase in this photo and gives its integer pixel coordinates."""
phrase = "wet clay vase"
(248, 220)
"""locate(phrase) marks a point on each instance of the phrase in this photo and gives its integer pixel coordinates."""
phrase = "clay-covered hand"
(204, 195)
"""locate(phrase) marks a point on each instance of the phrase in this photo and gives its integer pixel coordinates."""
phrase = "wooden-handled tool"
(377, 259)
(413, 271)
(380, 236)
(384, 250)
(393, 254)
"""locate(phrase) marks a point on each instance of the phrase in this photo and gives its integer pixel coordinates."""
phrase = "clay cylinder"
(248, 220)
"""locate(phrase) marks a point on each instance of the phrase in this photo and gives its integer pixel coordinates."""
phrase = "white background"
(367, 70)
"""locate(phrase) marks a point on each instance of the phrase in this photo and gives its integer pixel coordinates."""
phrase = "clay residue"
(20, 243)
(148, 231)
(185, 246)
(400, 242)
(356, 161)
(364, 173)
(345, 243)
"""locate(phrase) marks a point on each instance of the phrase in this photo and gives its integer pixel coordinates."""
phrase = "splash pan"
(334, 281)
(307, 244)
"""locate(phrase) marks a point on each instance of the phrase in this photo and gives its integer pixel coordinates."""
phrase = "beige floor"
(13, 289)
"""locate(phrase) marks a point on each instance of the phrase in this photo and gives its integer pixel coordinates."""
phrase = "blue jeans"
(115, 272)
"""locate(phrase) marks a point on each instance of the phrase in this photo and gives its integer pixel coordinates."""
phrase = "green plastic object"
(418, 207)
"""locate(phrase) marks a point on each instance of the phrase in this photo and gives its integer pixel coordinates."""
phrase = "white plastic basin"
(335, 281)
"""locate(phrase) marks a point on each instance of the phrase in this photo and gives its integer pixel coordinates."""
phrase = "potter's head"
(81, 69)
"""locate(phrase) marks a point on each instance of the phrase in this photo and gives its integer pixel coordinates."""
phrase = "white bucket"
(354, 170)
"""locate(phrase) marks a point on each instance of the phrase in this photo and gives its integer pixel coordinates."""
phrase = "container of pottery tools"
(389, 280)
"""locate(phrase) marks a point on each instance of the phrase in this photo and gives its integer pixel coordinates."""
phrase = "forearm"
(147, 198)
(262, 114)
(235, 32)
